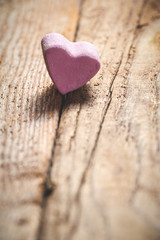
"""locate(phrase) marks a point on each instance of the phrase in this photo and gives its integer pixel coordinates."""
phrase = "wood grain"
(29, 110)
(106, 158)
(85, 166)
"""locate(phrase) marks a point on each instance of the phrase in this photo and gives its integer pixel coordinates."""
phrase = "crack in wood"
(130, 57)
(139, 26)
(135, 33)
(109, 99)
(49, 186)
(90, 160)
(75, 129)
(137, 184)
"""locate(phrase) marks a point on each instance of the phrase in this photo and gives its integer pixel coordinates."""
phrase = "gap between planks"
(49, 186)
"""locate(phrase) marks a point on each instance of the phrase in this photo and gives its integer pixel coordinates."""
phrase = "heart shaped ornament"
(70, 64)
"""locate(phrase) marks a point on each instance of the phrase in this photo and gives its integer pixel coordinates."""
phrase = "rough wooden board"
(29, 109)
(106, 159)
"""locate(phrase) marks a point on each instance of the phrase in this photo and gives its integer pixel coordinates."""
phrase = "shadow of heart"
(50, 100)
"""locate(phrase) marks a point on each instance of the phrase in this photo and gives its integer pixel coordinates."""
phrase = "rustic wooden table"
(85, 166)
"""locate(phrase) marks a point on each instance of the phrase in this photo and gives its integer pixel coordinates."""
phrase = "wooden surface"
(86, 165)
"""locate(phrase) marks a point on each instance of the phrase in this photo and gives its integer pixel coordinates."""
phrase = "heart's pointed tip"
(62, 91)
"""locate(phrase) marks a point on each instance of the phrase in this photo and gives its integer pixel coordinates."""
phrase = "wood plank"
(29, 109)
(106, 157)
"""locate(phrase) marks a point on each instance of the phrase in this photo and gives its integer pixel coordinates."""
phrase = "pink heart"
(70, 64)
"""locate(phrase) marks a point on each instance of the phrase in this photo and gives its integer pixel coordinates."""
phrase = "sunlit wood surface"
(85, 166)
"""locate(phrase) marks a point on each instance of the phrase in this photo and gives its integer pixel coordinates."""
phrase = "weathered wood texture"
(29, 109)
(86, 166)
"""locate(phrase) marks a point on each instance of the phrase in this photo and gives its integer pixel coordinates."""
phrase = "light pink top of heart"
(70, 64)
